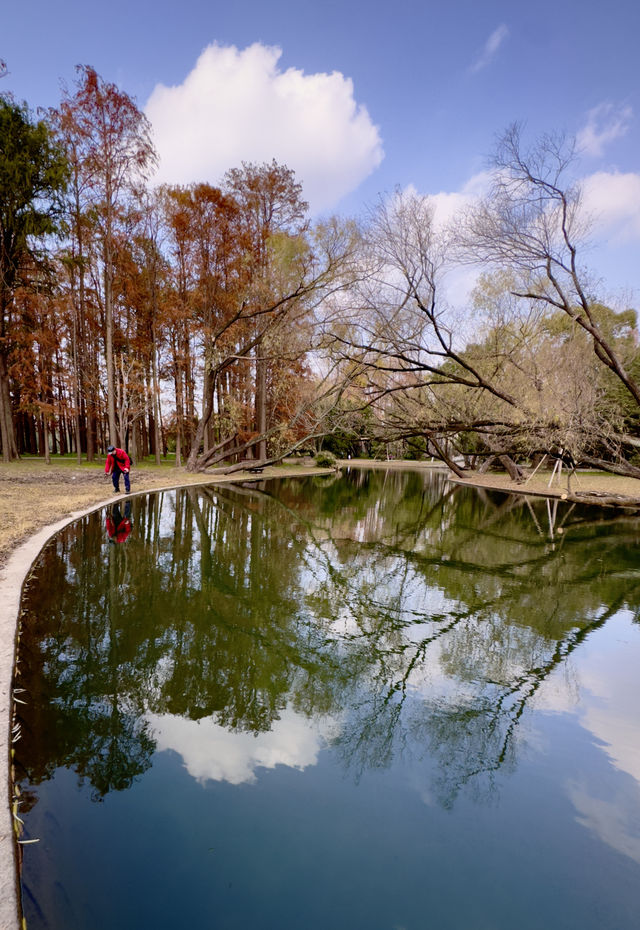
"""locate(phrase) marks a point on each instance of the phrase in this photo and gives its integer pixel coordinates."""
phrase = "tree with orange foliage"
(112, 142)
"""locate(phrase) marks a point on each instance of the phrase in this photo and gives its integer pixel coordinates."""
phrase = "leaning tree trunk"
(514, 471)
(616, 468)
(442, 455)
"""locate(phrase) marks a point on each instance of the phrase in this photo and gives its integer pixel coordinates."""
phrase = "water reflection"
(397, 621)
(118, 524)
(433, 615)
(210, 752)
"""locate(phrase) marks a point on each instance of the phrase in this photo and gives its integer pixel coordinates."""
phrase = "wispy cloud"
(605, 123)
(491, 46)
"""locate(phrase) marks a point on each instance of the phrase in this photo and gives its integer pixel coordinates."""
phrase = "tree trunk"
(7, 431)
(261, 406)
(108, 312)
(616, 468)
(514, 471)
(442, 455)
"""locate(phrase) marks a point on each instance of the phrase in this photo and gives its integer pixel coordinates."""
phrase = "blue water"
(366, 703)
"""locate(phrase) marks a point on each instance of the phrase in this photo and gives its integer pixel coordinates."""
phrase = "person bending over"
(118, 463)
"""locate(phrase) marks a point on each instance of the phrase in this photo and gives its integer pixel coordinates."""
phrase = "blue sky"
(360, 97)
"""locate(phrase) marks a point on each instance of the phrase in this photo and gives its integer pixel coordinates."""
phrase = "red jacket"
(120, 458)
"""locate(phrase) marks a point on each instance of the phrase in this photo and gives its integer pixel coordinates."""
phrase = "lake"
(374, 701)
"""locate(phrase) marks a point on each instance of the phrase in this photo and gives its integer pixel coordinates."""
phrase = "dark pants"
(115, 477)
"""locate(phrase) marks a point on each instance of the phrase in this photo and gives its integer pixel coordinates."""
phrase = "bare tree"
(533, 222)
(405, 339)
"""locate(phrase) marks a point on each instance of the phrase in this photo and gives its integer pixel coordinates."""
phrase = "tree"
(532, 222)
(403, 338)
(113, 143)
(248, 277)
(270, 201)
(33, 175)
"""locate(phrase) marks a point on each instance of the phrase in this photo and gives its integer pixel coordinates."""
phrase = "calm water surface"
(373, 702)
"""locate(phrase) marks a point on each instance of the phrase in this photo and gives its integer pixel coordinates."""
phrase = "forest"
(221, 323)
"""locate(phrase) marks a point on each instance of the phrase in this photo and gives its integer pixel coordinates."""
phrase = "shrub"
(325, 460)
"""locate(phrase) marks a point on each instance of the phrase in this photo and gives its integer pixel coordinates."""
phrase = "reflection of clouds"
(615, 821)
(611, 704)
(209, 751)
(617, 729)
(602, 691)
(600, 686)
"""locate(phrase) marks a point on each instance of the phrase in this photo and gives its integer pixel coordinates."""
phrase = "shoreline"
(619, 492)
(588, 488)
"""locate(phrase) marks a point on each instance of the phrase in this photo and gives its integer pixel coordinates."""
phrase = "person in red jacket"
(118, 463)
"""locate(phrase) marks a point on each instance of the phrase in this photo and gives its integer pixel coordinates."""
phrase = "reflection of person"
(119, 527)
(118, 463)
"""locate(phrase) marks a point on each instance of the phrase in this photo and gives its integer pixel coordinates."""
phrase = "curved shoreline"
(21, 559)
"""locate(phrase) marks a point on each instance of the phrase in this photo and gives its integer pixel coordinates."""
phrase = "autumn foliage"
(159, 318)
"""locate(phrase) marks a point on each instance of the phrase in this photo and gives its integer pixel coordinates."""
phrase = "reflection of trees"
(519, 601)
(358, 597)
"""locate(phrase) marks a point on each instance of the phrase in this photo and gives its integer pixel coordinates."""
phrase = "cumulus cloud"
(613, 199)
(238, 105)
(491, 46)
(448, 203)
(605, 123)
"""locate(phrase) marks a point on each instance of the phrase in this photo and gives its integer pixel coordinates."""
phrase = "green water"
(374, 702)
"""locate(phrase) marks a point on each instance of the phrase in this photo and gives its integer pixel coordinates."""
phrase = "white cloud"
(605, 123)
(448, 203)
(460, 280)
(491, 46)
(239, 106)
(211, 752)
(613, 199)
